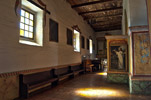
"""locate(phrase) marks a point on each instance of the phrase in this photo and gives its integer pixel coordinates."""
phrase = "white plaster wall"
(114, 32)
(138, 12)
(102, 34)
(15, 56)
(125, 8)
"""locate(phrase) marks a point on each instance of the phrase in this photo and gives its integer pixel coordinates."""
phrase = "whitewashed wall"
(15, 56)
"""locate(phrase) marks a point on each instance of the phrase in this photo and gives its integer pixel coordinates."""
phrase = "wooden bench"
(63, 73)
(97, 65)
(77, 69)
(88, 65)
(36, 82)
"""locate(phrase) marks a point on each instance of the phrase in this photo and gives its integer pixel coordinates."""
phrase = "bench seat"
(34, 82)
(77, 69)
(32, 86)
(63, 73)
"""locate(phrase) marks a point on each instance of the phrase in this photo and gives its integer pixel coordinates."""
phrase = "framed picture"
(118, 56)
(149, 16)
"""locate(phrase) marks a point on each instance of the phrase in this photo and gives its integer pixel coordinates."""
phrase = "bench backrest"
(96, 62)
(76, 67)
(61, 71)
(37, 77)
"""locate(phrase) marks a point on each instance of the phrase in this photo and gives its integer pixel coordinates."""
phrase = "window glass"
(76, 40)
(26, 24)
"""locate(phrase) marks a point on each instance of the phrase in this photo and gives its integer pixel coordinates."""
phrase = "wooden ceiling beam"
(99, 30)
(107, 25)
(107, 28)
(105, 21)
(106, 16)
(91, 3)
(101, 10)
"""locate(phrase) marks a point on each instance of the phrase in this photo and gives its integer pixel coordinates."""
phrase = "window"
(76, 40)
(27, 24)
(69, 37)
(88, 44)
(91, 46)
(31, 24)
(82, 42)
(53, 30)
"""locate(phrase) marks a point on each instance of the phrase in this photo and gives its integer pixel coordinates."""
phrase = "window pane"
(91, 49)
(31, 23)
(26, 27)
(30, 28)
(26, 24)
(21, 25)
(22, 19)
(22, 12)
(27, 15)
(26, 21)
(30, 35)
(31, 17)
(21, 32)
(26, 34)
(76, 41)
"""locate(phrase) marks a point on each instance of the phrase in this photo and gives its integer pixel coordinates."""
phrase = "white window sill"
(76, 51)
(28, 43)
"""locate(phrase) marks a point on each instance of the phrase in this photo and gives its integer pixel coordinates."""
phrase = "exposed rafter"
(101, 10)
(117, 26)
(107, 23)
(108, 29)
(91, 3)
(101, 15)
(105, 16)
(95, 21)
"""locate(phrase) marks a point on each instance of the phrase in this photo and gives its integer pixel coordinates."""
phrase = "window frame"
(30, 11)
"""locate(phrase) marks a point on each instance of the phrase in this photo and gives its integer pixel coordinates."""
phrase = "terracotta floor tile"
(88, 87)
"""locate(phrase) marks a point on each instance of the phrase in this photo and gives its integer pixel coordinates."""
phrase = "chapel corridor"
(91, 86)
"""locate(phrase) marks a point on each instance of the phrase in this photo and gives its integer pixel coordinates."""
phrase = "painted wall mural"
(9, 88)
(140, 87)
(118, 78)
(149, 16)
(141, 43)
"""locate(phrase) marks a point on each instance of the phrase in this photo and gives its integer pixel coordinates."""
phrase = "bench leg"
(82, 72)
(54, 83)
(71, 76)
(24, 92)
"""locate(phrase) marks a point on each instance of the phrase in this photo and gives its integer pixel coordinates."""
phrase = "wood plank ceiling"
(102, 15)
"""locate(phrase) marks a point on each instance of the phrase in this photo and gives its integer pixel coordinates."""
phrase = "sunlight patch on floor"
(97, 92)
(102, 73)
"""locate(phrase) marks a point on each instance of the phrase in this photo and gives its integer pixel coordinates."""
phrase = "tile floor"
(91, 86)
